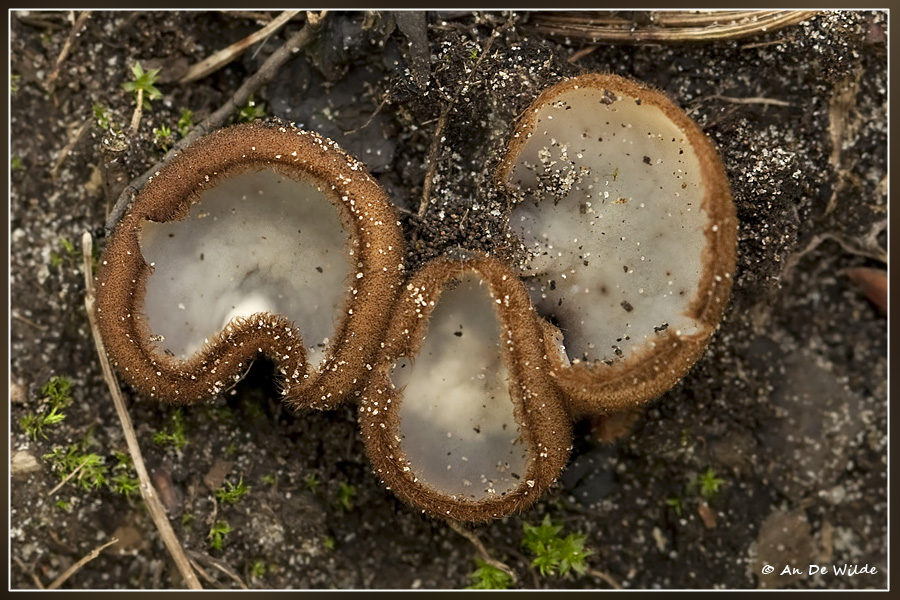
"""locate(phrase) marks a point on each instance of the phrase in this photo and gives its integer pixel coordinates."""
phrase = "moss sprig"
(554, 554)
(57, 393)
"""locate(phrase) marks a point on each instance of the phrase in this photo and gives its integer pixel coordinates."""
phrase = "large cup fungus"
(267, 240)
(625, 213)
(257, 240)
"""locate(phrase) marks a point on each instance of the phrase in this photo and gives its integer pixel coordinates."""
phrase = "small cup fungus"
(251, 230)
(460, 418)
(625, 214)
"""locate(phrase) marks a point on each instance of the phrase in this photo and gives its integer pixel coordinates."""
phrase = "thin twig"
(265, 74)
(67, 47)
(668, 26)
(605, 577)
(206, 576)
(372, 116)
(470, 535)
(754, 100)
(30, 572)
(67, 149)
(138, 111)
(431, 161)
(218, 564)
(260, 17)
(216, 61)
(55, 537)
(151, 499)
(27, 321)
(86, 559)
(581, 53)
(68, 477)
(868, 248)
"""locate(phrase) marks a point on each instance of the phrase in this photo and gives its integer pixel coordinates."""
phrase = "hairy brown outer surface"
(540, 411)
(376, 244)
(598, 388)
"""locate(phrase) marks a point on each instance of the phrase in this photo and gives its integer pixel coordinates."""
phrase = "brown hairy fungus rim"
(545, 425)
(375, 241)
(601, 388)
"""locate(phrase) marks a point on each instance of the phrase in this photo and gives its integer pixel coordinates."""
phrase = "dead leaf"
(216, 475)
(707, 515)
(873, 283)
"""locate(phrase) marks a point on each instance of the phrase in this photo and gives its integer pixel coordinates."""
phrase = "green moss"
(162, 137)
(489, 577)
(708, 484)
(185, 122)
(250, 112)
(676, 505)
(143, 81)
(91, 468)
(311, 482)
(57, 393)
(258, 568)
(553, 554)
(230, 493)
(345, 495)
(174, 434)
(124, 479)
(103, 117)
(217, 534)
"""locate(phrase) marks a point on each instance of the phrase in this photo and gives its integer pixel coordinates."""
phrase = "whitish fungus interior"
(457, 420)
(612, 221)
(256, 242)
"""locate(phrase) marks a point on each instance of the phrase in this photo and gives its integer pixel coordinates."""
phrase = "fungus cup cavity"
(625, 215)
(460, 418)
(257, 240)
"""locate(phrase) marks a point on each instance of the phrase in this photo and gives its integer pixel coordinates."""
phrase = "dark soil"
(788, 407)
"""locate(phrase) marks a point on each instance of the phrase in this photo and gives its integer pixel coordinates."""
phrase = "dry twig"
(218, 564)
(265, 74)
(30, 572)
(68, 477)
(605, 577)
(221, 58)
(151, 499)
(74, 568)
(67, 47)
(64, 153)
(754, 100)
(15, 315)
(136, 115)
(206, 576)
(470, 535)
(666, 26)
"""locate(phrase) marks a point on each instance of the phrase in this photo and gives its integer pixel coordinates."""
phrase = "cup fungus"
(624, 210)
(469, 377)
(257, 240)
(459, 417)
